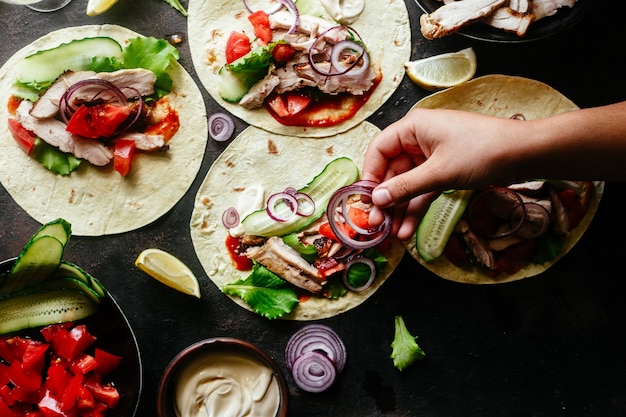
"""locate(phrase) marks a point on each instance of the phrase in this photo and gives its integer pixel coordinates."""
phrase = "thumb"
(405, 186)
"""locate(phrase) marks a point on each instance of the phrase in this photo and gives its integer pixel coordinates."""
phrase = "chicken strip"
(451, 17)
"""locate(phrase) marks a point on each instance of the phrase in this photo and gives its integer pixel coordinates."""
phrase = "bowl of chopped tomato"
(89, 367)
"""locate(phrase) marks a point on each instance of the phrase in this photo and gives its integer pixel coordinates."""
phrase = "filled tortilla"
(97, 200)
(257, 158)
(383, 26)
(505, 96)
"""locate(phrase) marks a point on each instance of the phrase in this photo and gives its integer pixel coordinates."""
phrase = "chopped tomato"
(167, 126)
(359, 217)
(29, 379)
(123, 155)
(98, 121)
(289, 104)
(237, 46)
(261, 23)
(24, 138)
(34, 355)
(575, 209)
(75, 341)
(107, 362)
(283, 52)
(13, 103)
(104, 393)
(326, 231)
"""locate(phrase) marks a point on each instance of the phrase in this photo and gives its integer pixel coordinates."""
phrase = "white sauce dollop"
(345, 12)
(250, 199)
(224, 384)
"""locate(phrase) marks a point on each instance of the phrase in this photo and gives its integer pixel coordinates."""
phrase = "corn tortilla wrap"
(274, 162)
(504, 96)
(383, 25)
(99, 201)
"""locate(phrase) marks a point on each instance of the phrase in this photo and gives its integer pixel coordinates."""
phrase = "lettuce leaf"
(405, 350)
(177, 6)
(59, 162)
(265, 292)
(253, 66)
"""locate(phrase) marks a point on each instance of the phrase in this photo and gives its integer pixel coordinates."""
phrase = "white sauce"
(225, 384)
(251, 199)
(345, 12)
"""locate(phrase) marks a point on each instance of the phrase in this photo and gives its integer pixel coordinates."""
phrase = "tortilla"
(259, 158)
(504, 96)
(383, 25)
(99, 201)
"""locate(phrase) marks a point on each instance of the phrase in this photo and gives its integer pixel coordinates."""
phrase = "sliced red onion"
(281, 212)
(313, 372)
(291, 6)
(367, 238)
(518, 116)
(306, 205)
(366, 261)
(499, 204)
(221, 127)
(535, 223)
(337, 67)
(337, 61)
(316, 338)
(97, 88)
(230, 218)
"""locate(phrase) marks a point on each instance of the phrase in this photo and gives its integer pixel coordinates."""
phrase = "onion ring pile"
(337, 218)
(315, 355)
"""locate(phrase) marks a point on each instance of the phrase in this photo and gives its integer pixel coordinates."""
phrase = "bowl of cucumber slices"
(65, 343)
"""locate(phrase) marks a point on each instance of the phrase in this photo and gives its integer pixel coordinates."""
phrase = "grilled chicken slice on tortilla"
(451, 17)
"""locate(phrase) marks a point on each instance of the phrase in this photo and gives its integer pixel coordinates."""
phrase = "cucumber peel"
(337, 173)
(439, 222)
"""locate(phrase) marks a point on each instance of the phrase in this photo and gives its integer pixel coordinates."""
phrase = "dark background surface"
(552, 345)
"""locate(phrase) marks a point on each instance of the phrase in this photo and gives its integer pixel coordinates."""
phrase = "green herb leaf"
(60, 163)
(176, 5)
(253, 66)
(265, 292)
(405, 350)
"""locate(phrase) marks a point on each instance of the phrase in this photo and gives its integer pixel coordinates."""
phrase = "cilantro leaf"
(405, 350)
(265, 292)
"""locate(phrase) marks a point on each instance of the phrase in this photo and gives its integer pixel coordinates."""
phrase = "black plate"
(548, 26)
(115, 335)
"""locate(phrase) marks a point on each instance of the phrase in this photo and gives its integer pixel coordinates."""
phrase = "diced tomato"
(34, 355)
(5, 411)
(326, 231)
(359, 217)
(58, 379)
(575, 209)
(289, 104)
(283, 52)
(123, 155)
(24, 138)
(107, 362)
(29, 379)
(167, 126)
(261, 23)
(237, 46)
(77, 340)
(105, 394)
(98, 121)
(83, 364)
(50, 406)
(13, 103)
(512, 259)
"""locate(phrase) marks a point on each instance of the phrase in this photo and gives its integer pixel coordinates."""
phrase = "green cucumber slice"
(58, 228)
(43, 308)
(45, 66)
(439, 222)
(337, 173)
(36, 263)
(65, 283)
(70, 270)
(231, 88)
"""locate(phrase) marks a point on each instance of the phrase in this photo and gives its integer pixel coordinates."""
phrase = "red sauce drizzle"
(240, 261)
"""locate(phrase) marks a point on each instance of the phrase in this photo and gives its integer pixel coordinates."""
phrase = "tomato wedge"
(123, 155)
(288, 104)
(23, 137)
(237, 46)
(283, 52)
(261, 23)
(98, 121)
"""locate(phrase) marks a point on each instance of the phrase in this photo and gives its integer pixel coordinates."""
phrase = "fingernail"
(381, 197)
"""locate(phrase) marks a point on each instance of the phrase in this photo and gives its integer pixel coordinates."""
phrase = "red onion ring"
(277, 212)
(367, 261)
(67, 106)
(531, 228)
(315, 49)
(230, 218)
(375, 234)
(306, 209)
(221, 127)
(313, 372)
(318, 338)
(336, 61)
(291, 6)
(500, 202)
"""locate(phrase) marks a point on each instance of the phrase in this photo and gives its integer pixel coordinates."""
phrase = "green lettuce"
(60, 163)
(405, 350)
(255, 65)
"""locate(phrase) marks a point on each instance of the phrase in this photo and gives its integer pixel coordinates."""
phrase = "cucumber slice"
(65, 283)
(439, 222)
(58, 228)
(46, 66)
(338, 173)
(37, 262)
(43, 308)
(69, 270)
(231, 88)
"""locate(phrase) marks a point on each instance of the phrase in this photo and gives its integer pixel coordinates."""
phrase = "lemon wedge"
(444, 70)
(169, 270)
(96, 7)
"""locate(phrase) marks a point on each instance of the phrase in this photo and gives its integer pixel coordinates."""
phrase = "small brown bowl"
(218, 353)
